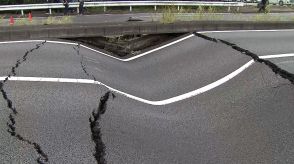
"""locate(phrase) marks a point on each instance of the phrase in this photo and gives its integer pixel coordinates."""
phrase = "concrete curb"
(91, 30)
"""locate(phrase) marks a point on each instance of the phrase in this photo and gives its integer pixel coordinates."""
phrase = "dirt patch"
(126, 46)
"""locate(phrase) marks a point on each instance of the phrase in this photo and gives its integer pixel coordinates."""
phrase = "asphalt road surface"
(247, 118)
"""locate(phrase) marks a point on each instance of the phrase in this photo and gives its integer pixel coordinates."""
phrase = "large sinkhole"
(125, 46)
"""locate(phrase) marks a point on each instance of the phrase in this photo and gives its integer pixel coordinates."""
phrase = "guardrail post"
(50, 11)
(229, 9)
(154, 8)
(178, 8)
(104, 8)
(131, 8)
(22, 12)
(238, 8)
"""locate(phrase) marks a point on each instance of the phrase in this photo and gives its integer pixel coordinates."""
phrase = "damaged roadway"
(248, 119)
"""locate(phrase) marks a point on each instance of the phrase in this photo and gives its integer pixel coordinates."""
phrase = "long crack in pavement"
(83, 65)
(11, 124)
(95, 128)
(96, 115)
(276, 69)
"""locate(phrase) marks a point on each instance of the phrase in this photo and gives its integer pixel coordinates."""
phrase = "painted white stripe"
(159, 48)
(143, 54)
(189, 94)
(47, 79)
(232, 31)
(91, 49)
(162, 102)
(276, 56)
(59, 42)
(22, 41)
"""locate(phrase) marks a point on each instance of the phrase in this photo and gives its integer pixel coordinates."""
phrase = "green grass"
(168, 15)
(58, 20)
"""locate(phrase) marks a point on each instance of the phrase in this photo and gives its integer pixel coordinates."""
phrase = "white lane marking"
(232, 31)
(202, 89)
(48, 79)
(276, 56)
(159, 48)
(59, 42)
(143, 54)
(91, 49)
(22, 41)
(161, 102)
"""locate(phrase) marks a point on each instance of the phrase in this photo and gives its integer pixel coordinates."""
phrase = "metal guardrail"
(50, 6)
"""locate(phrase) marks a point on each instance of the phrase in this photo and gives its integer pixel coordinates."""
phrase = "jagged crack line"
(83, 65)
(11, 123)
(205, 37)
(276, 69)
(95, 128)
(96, 115)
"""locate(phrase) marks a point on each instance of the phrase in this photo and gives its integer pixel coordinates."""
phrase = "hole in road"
(125, 46)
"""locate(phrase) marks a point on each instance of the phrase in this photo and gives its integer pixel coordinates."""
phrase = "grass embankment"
(171, 14)
(23, 21)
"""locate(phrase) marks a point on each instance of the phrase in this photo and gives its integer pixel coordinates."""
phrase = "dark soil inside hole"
(126, 46)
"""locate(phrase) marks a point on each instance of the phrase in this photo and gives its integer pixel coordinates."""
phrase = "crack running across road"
(11, 124)
(276, 69)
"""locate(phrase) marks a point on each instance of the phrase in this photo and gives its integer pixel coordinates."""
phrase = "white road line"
(22, 41)
(159, 48)
(232, 31)
(276, 56)
(197, 91)
(59, 42)
(145, 53)
(91, 49)
(48, 79)
(131, 58)
(161, 102)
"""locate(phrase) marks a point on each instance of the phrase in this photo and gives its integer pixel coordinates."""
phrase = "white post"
(178, 8)
(104, 9)
(78, 10)
(50, 11)
(22, 12)
(154, 8)
(131, 8)
(229, 8)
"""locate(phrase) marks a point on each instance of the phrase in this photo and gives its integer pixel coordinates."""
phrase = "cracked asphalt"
(248, 119)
